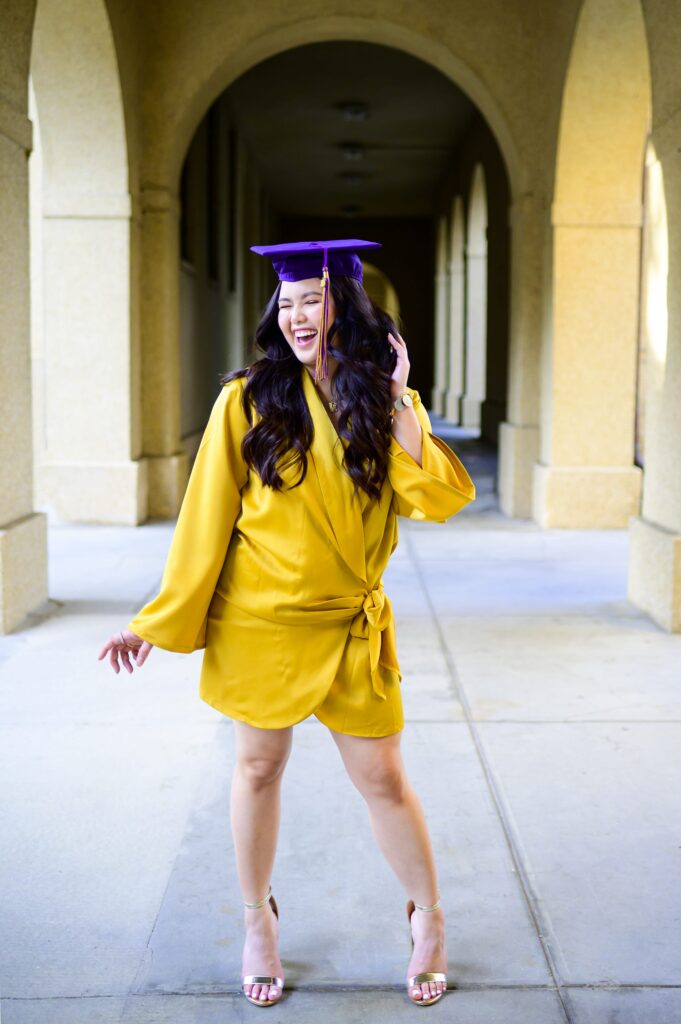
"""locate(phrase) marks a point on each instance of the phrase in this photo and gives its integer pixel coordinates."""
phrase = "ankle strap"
(429, 909)
(260, 903)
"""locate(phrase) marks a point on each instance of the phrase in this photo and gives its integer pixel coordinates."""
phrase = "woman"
(275, 568)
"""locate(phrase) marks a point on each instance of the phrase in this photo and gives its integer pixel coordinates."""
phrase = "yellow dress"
(283, 589)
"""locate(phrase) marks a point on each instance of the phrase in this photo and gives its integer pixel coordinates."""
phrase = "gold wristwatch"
(402, 402)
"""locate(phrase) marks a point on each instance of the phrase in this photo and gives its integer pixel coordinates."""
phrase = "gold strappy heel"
(426, 976)
(258, 979)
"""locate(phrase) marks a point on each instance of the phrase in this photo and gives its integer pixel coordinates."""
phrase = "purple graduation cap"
(296, 261)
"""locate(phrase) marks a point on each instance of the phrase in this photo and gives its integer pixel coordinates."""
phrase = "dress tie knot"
(370, 622)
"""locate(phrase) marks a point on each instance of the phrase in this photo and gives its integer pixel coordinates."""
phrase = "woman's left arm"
(428, 480)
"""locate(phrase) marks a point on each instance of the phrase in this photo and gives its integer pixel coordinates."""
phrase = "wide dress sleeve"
(439, 487)
(176, 619)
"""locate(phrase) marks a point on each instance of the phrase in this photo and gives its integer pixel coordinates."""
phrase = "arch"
(380, 288)
(586, 475)
(457, 298)
(169, 150)
(183, 103)
(475, 359)
(84, 341)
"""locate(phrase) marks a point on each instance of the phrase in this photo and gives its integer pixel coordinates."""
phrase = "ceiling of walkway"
(350, 129)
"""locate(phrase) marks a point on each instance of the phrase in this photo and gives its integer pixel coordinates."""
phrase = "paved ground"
(543, 735)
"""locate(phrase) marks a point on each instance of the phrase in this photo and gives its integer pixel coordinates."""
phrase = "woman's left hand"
(401, 372)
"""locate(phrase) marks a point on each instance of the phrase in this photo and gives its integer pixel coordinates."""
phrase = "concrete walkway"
(543, 736)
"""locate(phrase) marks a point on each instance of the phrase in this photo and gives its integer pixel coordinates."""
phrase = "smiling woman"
(310, 455)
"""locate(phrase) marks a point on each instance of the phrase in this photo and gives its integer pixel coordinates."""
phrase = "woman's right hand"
(125, 643)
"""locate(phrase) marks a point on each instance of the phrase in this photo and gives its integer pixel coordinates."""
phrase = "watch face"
(406, 400)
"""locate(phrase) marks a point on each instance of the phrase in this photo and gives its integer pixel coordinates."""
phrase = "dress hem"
(256, 725)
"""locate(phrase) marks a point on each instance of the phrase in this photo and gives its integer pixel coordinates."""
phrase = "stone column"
(86, 470)
(167, 462)
(476, 303)
(655, 535)
(457, 281)
(519, 435)
(441, 310)
(23, 533)
(586, 477)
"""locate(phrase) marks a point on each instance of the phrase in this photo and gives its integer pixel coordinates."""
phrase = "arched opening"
(380, 288)
(586, 476)
(297, 159)
(86, 368)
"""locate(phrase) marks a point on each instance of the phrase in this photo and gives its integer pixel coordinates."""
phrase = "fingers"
(113, 660)
(118, 645)
(143, 653)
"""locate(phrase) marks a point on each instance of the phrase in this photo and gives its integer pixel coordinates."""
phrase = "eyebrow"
(303, 296)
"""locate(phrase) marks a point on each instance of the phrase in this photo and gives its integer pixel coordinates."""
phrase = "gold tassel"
(321, 367)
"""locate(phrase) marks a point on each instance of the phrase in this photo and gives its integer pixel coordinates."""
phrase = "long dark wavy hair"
(358, 341)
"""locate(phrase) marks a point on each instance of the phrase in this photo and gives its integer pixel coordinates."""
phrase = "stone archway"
(85, 353)
(585, 476)
(171, 130)
(381, 289)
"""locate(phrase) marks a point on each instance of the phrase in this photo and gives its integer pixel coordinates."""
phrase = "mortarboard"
(296, 261)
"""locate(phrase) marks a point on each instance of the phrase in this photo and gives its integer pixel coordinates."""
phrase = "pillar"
(457, 297)
(655, 536)
(23, 533)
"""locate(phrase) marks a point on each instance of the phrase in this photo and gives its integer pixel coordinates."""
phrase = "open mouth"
(304, 338)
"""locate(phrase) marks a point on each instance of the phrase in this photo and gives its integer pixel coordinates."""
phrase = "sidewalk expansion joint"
(533, 902)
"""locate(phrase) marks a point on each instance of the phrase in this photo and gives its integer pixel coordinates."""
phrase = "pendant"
(332, 406)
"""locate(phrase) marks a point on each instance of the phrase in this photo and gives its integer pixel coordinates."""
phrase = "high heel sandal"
(261, 979)
(425, 976)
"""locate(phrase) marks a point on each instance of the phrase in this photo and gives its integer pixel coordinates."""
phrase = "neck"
(323, 386)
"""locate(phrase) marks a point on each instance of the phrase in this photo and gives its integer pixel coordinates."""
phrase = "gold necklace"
(331, 404)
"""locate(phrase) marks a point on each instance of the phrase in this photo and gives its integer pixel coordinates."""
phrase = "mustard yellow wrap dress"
(283, 589)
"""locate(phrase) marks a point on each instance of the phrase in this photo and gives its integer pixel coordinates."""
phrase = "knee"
(259, 772)
(383, 780)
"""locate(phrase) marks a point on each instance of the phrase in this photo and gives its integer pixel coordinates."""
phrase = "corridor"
(543, 728)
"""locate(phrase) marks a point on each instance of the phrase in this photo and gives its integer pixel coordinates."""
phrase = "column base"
(168, 476)
(470, 412)
(654, 582)
(452, 406)
(518, 452)
(437, 400)
(23, 569)
(586, 498)
(491, 416)
(112, 493)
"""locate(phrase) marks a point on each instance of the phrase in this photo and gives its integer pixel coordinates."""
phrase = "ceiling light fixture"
(353, 177)
(354, 110)
(352, 151)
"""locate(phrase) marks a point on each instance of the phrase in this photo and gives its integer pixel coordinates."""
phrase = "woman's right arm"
(176, 618)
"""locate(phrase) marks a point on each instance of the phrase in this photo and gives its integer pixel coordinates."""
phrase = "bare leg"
(376, 768)
(255, 809)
